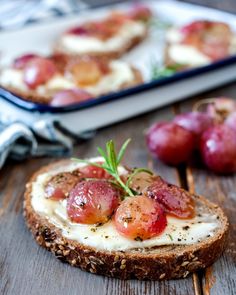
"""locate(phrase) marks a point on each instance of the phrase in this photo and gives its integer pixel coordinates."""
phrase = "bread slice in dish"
(110, 37)
(185, 245)
(89, 75)
(199, 43)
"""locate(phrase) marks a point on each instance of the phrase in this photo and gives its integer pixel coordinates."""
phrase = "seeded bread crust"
(35, 98)
(58, 49)
(157, 263)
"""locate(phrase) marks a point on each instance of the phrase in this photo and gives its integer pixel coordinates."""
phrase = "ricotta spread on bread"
(182, 53)
(74, 44)
(106, 237)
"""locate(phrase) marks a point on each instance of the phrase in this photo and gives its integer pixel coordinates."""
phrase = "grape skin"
(170, 142)
(218, 149)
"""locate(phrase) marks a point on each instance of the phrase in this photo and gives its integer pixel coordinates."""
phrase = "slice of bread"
(113, 54)
(156, 263)
(192, 54)
(61, 62)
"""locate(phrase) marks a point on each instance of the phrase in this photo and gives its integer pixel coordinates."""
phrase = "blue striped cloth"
(44, 138)
(17, 13)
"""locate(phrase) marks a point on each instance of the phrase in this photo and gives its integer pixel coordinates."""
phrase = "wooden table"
(25, 268)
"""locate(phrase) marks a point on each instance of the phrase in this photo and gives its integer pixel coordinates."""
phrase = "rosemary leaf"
(122, 151)
(111, 163)
(103, 154)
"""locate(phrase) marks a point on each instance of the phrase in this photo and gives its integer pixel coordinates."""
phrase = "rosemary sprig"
(111, 163)
(157, 23)
(158, 71)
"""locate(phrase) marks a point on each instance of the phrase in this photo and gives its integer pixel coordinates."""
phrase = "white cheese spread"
(75, 44)
(120, 74)
(106, 237)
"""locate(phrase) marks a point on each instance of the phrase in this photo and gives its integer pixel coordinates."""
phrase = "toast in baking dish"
(199, 43)
(60, 80)
(110, 37)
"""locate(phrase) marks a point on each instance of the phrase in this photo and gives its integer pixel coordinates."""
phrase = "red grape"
(90, 171)
(85, 71)
(231, 121)
(80, 30)
(20, 62)
(140, 218)
(211, 38)
(141, 181)
(172, 143)
(194, 26)
(70, 96)
(38, 71)
(218, 149)
(174, 200)
(92, 202)
(195, 122)
(140, 12)
(60, 185)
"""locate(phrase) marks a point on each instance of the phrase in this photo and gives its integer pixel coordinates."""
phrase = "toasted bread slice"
(187, 49)
(110, 37)
(112, 54)
(170, 62)
(156, 263)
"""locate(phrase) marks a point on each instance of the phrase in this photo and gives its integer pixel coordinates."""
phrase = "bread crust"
(165, 262)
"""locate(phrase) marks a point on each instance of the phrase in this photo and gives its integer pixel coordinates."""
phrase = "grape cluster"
(212, 132)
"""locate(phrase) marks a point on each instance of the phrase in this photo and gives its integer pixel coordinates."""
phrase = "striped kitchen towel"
(45, 138)
(17, 13)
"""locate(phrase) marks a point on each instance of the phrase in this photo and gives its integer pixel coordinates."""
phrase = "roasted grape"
(140, 218)
(90, 171)
(60, 185)
(92, 202)
(85, 71)
(211, 38)
(70, 96)
(140, 12)
(174, 200)
(38, 71)
(80, 30)
(20, 62)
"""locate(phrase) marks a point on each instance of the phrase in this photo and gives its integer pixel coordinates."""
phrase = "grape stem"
(202, 102)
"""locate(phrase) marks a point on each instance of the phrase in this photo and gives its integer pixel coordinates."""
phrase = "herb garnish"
(157, 23)
(170, 236)
(111, 163)
(158, 71)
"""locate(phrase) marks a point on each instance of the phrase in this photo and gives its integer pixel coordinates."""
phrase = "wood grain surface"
(25, 268)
